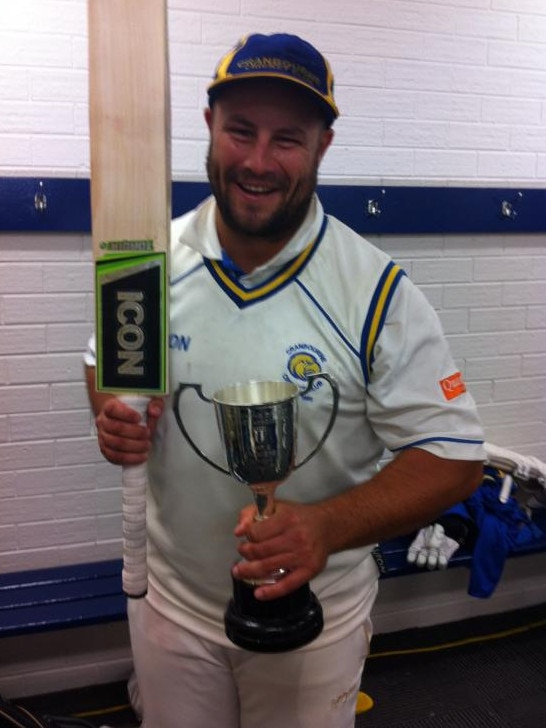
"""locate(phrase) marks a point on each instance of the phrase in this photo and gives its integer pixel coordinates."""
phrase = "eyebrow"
(236, 118)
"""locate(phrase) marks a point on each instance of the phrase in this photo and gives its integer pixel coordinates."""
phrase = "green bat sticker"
(131, 315)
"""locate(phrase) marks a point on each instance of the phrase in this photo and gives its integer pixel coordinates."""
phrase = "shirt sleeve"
(90, 354)
(417, 396)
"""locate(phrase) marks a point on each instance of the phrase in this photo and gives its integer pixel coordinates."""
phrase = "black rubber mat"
(99, 705)
(486, 672)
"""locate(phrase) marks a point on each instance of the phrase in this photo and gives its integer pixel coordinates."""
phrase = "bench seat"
(391, 560)
(61, 597)
(85, 594)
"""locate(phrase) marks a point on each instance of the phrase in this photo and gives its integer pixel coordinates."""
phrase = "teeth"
(255, 189)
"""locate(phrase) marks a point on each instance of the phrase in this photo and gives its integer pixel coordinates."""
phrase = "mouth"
(257, 187)
(256, 190)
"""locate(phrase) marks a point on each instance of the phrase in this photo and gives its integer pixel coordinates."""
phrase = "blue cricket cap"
(281, 56)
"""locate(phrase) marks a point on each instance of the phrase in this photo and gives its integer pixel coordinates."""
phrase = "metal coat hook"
(40, 198)
(373, 207)
(508, 209)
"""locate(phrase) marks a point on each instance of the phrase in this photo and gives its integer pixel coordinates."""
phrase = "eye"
(287, 142)
(240, 132)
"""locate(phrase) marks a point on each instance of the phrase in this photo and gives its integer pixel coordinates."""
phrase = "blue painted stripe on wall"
(399, 210)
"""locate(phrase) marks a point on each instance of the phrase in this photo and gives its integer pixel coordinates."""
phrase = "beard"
(282, 222)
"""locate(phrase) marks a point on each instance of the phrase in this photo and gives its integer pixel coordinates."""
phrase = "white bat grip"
(134, 487)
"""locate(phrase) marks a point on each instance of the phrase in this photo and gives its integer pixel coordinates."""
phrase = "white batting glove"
(431, 548)
(523, 467)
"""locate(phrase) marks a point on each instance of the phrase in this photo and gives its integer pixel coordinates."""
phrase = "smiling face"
(267, 141)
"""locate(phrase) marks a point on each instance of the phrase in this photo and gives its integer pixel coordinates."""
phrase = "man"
(265, 286)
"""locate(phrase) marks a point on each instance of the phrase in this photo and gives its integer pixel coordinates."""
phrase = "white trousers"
(187, 682)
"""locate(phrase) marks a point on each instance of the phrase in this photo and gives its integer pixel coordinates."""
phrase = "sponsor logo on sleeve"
(453, 386)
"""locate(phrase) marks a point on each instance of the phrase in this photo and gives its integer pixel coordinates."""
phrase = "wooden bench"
(61, 597)
(86, 594)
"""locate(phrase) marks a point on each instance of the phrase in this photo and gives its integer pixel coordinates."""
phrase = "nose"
(259, 159)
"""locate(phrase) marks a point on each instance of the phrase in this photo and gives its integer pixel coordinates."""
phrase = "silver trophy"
(258, 427)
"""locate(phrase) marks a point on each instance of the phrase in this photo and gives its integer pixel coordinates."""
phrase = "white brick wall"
(431, 91)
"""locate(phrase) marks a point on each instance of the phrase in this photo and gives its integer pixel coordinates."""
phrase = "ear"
(325, 141)
(208, 117)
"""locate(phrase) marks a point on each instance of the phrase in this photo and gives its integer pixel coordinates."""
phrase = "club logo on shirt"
(303, 359)
(453, 386)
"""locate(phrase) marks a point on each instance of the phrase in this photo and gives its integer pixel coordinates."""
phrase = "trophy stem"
(264, 498)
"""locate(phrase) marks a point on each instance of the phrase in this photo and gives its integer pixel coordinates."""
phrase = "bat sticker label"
(131, 338)
(131, 309)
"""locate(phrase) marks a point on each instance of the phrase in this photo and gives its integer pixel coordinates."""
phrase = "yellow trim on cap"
(221, 71)
(281, 77)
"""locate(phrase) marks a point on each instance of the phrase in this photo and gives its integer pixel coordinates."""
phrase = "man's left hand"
(292, 539)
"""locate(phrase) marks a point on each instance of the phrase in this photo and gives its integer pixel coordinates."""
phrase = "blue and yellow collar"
(227, 278)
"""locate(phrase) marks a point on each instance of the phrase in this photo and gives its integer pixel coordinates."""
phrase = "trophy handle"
(335, 405)
(176, 409)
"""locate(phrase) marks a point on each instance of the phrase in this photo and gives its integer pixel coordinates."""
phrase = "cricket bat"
(129, 118)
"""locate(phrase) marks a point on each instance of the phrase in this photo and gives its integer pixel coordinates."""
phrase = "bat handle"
(134, 487)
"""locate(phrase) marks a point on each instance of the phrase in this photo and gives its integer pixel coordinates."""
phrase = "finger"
(432, 561)
(154, 412)
(117, 417)
(283, 561)
(281, 546)
(113, 443)
(120, 420)
(422, 559)
(123, 451)
(244, 524)
(121, 435)
(115, 409)
(286, 523)
(288, 584)
(411, 555)
(156, 407)
(259, 560)
(123, 443)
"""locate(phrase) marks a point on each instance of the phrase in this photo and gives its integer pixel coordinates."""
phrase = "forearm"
(408, 493)
(96, 399)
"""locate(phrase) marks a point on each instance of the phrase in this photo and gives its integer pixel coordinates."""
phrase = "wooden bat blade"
(130, 190)
(129, 120)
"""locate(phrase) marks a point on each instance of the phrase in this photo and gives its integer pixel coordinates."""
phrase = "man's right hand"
(123, 439)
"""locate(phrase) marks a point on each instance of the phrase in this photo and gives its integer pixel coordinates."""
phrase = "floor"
(478, 673)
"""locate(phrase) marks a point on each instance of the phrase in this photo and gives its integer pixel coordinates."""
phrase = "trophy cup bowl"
(258, 427)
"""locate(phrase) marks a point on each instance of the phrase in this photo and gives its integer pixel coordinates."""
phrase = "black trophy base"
(279, 625)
